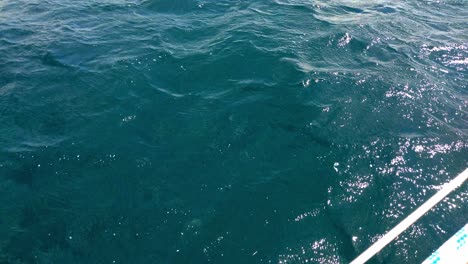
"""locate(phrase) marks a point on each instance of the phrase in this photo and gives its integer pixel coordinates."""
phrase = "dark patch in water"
(300, 131)
(385, 9)
(171, 6)
(50, 60)
(40, 231)
(23, 175)
(352, 9)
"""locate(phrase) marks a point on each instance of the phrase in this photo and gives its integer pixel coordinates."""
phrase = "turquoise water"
(229, 131)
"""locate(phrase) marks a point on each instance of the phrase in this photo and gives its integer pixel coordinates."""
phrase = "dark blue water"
(229, 131)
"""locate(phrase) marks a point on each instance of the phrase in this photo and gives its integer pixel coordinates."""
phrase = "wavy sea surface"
(229, 131)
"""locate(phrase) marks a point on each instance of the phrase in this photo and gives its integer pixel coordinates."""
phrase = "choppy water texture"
(229, 131)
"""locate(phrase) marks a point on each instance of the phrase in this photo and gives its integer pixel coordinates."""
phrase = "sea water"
(229, 131)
